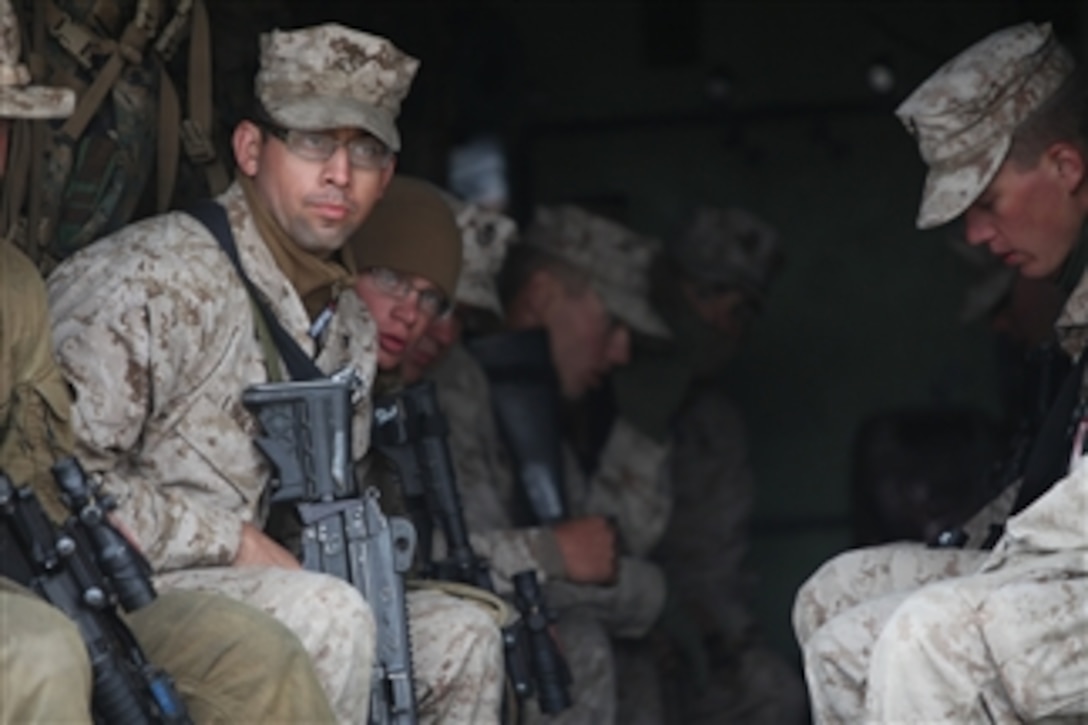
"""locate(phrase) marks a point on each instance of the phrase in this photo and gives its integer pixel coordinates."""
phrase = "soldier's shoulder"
(169, 251)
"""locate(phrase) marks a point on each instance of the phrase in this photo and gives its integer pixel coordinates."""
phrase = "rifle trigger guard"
(403, 534)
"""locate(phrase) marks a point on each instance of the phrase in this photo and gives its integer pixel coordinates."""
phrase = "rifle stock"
(307, 438)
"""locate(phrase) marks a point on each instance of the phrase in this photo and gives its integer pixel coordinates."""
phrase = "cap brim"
(36, 102)
(952, 187)
(635, 312)
(320, 114)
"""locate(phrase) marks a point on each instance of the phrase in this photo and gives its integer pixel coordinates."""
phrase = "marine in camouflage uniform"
(709, 288)
(156, 334)
(905, 634)
(230, 663)
(628, 486)
(409, 242)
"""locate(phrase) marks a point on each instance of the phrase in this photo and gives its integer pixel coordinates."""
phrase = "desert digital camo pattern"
(329, 76)
(616, 260)
(730, 247)
(631, 484)
(208, 643)
(458, 655)
(485, 477)
(155, 334)
(589, 615)
(486, 234)
(18, 98)
(882, 628)
(964, 115)
(907, 634)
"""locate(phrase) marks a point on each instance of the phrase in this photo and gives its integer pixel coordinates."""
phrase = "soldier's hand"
(588, 546)
(257, 549)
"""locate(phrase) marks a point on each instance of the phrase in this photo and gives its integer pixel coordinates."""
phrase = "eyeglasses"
(429, 301)
(364, 152)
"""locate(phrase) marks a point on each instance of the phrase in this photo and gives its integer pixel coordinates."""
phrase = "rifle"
(527, 406)
(86, 569)
(410, 429)
(307, 438)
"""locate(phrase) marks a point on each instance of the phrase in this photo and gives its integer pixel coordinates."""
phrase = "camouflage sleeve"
(485, 479)
(632, 485)
(629, 608)
(105, 344)
(509, 551)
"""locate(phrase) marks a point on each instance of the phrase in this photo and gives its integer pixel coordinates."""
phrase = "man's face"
(318, 203)
(401, 322)
(439, 336)
(586, 341)
(1029, 217)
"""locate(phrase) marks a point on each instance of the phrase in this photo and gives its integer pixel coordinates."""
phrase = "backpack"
(71, 181)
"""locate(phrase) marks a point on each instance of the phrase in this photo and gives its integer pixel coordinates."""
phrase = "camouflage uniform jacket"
(155, 332)
(1057, 522)
(629, 485)
(484, 476)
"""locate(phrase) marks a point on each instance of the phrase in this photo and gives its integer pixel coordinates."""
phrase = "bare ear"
(1069, 162)
(246, 142)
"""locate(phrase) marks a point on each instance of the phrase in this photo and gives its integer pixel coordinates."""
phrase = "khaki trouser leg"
(45, 675)
(327, 615)
(231, 663)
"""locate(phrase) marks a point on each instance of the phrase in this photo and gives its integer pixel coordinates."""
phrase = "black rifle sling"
(1049, 458)
(213, 216)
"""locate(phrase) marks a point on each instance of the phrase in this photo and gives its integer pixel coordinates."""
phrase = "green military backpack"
(75, 180)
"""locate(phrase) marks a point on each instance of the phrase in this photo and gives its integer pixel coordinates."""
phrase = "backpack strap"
(299, 364)
(196, 130)
(79, 41)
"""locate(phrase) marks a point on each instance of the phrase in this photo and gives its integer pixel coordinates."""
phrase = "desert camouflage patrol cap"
(730, 247)
(18, 98)
(616, 259)
(485, 237)
(330, 76)
(965, 114)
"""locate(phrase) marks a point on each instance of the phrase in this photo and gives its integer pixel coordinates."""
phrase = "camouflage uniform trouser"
(457, 648)
(906, 634)
(588, 652)
(229, 663)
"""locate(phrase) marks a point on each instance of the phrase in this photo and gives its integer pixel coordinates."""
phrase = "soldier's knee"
(816, 600)
(480, 625)
(922, 627)
(341, 611)
(50, 656)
